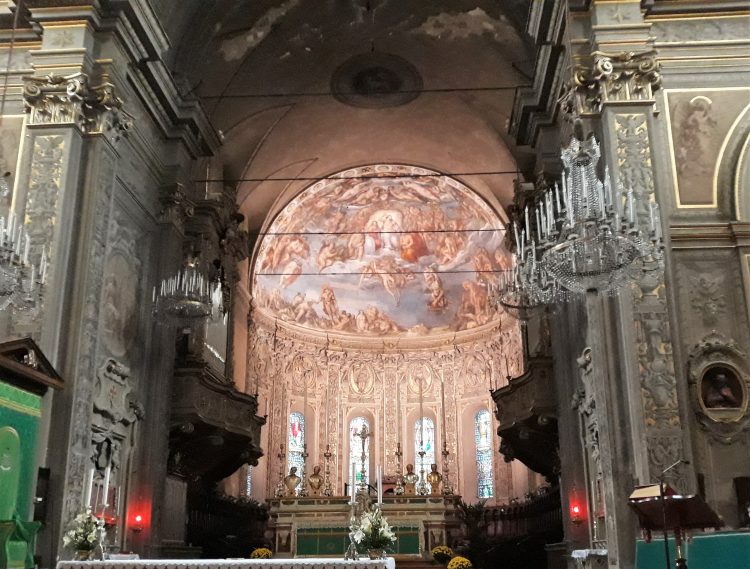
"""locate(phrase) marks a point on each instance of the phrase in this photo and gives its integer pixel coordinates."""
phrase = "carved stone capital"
(612, 78)
(175, 205)
(71, 99)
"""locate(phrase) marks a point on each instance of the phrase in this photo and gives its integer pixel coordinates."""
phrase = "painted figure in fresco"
(483, 266)
(282, 250)
(330, 306)
(303, 309)
(356, 246)
(290, 273)
(434, 479)
(291, 481)
(413, 247)
(438, 301)
(330, 253)
(719, 394)
(473, 310)
(373, 242)
(410, 480)
(388, 272)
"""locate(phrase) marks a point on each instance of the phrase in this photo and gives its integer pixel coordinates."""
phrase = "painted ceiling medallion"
(376, 80)
(367, 252)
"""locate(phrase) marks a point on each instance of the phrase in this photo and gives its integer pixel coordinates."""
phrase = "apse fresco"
(382, 255)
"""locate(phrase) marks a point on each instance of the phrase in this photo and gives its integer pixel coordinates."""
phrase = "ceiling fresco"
(371, 251)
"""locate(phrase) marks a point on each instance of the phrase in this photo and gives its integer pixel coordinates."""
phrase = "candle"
(557, 197)
(526, 217)
(89, 487)
(380, 485)
(351, 481)
(600, 194)
(515, 233)
(107, 474)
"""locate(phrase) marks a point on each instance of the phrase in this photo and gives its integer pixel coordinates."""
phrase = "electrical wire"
(312, 94)
(375, 274)
(392, 232)
(382, 176)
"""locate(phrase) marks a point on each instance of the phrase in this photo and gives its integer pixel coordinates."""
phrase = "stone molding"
(717, 352)
(626, 77)
(57, 100)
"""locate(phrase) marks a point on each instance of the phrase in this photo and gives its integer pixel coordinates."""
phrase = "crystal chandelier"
(20, 281)
(189, 294)
(586, 236)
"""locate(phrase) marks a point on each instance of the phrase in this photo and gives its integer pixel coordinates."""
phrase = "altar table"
(307, 563)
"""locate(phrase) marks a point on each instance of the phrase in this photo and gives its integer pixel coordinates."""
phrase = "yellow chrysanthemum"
(442, 554)
(261, 553)
(459, 563)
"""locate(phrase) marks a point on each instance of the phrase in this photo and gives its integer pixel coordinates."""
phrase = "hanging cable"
(383, 176)
(311, 94)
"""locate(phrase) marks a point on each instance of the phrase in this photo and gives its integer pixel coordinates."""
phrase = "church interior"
(375, 283)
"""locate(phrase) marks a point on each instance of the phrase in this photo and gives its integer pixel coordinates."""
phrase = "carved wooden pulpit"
(25, 376)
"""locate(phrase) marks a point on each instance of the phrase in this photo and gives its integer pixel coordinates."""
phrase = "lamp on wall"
(137, 523)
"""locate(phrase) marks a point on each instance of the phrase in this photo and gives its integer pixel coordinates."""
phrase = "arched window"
(249, 481)
(483, 440)
(424, 438)
(296, 441)
(355, 449)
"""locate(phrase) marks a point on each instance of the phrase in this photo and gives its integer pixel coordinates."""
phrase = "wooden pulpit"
(25, 375)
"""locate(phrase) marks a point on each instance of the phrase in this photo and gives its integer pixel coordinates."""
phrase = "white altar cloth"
(307, 563)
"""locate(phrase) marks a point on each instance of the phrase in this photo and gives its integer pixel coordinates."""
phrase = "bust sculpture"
(291, 481)
(410, 480)
(315, 481)
(434, 478)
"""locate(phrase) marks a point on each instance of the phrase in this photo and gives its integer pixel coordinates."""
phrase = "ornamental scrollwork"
(622, 77)
(719, 382)
(71, 99)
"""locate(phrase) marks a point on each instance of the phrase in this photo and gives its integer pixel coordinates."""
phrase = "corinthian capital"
(72, 100)
(612, 78)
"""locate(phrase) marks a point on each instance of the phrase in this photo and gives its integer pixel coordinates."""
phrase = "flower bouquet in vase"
(372, 534)
(85, 533)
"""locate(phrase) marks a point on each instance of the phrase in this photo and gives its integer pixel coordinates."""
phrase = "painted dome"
(371, 251)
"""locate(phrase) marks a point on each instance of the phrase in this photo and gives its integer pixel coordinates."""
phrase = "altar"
(319, 527)
(230, 564)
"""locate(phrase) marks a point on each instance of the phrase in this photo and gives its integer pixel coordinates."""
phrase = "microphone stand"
(680, 562)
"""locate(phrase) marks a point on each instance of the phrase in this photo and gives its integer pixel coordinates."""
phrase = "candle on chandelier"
(557, 197)
(526, 217)
(105, 494)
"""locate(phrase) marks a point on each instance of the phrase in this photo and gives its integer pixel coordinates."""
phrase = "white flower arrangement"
(372, 531)
(85, 533)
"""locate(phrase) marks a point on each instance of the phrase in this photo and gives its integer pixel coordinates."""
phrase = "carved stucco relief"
(381, 382)
(87, 349)
(658, 383)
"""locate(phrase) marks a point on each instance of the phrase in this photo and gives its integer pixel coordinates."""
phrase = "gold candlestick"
(280, 486)
(327, 488)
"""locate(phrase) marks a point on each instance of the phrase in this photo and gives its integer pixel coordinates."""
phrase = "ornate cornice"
(612, 78)
(56, 100)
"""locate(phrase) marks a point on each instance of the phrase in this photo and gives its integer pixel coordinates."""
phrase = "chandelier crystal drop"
(20, 281)
(583, 236)
(189, 294)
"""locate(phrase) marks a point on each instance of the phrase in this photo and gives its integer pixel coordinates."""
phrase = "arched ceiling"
(249, 61)
(382, 250)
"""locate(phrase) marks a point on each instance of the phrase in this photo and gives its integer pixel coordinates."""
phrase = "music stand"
(662, 509)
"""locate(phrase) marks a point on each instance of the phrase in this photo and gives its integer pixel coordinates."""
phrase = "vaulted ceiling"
(265, 69)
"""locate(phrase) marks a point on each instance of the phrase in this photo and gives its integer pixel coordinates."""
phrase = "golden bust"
(434, 478)
(410, 480)
(315, 481)
(291, 481)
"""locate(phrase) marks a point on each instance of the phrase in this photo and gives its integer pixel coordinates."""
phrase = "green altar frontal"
(333, 541)
(721, 550)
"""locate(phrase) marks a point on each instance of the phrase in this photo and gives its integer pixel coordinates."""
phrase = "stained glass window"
(296, 441)
(355, 449)
(249, 481)
(429, 445)
(483, 440)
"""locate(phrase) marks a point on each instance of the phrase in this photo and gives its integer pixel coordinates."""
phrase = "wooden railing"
(541, 514)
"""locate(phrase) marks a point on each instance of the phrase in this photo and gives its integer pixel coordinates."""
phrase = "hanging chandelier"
(586, 236)
(20, 281)
(189, 294)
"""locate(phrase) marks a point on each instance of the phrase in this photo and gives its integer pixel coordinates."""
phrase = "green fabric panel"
(21, 410)
(724, 550)
(333, 541)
